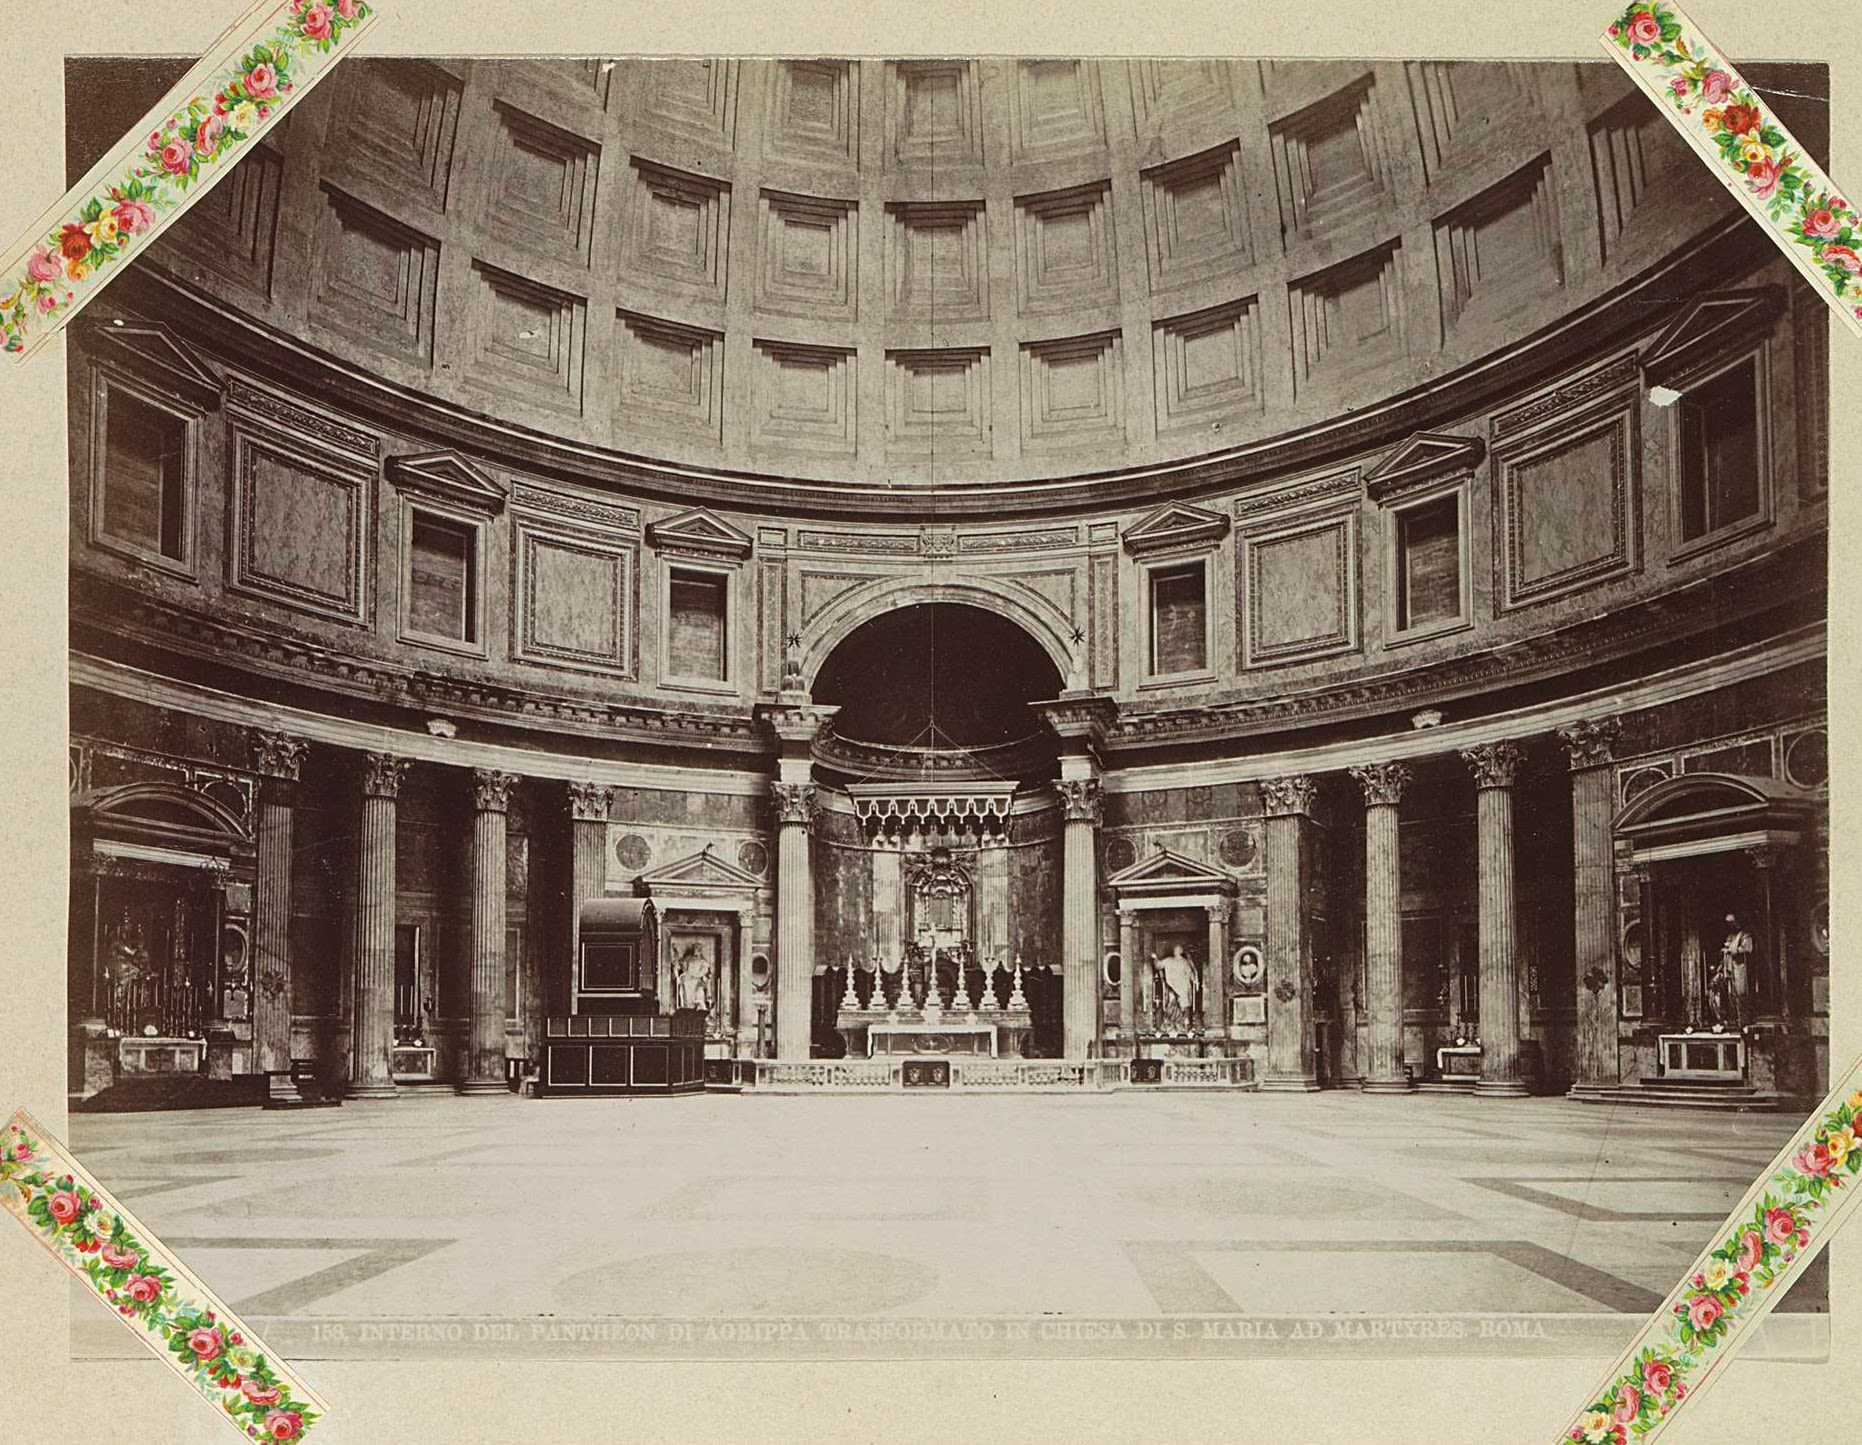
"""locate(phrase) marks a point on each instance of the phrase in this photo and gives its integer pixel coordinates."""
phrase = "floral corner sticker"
(1754, 156)
(1785, 1219)
(256, 72)
(164, 1305)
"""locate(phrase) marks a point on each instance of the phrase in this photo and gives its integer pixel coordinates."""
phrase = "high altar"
(940, 977)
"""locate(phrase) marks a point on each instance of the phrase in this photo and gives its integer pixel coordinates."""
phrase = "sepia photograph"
(986, 708)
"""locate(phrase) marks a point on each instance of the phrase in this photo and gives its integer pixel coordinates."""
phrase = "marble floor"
(836, 1226)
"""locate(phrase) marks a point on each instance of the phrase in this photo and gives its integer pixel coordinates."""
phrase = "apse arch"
(1049, 627)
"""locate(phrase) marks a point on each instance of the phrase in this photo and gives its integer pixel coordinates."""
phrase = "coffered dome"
(937, 272)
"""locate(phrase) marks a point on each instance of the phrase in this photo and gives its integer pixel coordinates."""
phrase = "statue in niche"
(1180, 977)
(1732, 978)
(693, 976)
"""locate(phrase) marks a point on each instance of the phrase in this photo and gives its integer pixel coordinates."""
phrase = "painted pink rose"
(1820, 223)
(1656, 1375)
(204, 1342)
(134, 215)
(262, 82)
(48, 303)
(1751, 1251)
(1644, 29)
(144, 1288)
(283, 1424)
(1844, 256)
(41, 267)
(1715, 86)
(347, 9)
(176, 155)
(207, 136)
(1763, 177)
(1780, 1226)
(117, 1257)
(25, 1150)
(1814, 1160)
(1628, 1405)
(1703, 1310)
(64, 1206)
(1679, 87)
(316, 22)
(260, 1394)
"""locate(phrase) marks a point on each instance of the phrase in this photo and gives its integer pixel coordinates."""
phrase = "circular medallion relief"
(633, 852)
(1238, 847)
(753, 857)
(1120, 854)
(1807, 759)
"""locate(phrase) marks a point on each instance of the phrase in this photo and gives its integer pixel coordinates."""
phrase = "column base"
(1500, 1089)
(484, 1086)
(1389, 1086)
(373, 1091)
(1290, 1084)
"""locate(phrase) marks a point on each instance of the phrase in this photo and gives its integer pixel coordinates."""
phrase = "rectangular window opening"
(145, 476)
(1179, 620)
(442, 583)
(1719, 461)
(695, 640)
(1428, 564)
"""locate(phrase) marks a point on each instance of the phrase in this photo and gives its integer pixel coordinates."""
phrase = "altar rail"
(982, 1075)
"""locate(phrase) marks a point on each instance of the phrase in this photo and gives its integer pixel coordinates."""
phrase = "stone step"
(1662, 1094)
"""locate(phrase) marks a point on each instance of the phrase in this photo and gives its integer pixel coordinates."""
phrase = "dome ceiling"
(928, 271)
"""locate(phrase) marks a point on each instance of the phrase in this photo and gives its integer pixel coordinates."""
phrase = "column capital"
(1080, 718)
(491, 790)
(1290, 796)
(277, 756)
(1082, 800)
(1588, 743)
(1494, 765)
(795, 803)
(383, 774)
(1383, 783)
(797, 724)
(589, 802)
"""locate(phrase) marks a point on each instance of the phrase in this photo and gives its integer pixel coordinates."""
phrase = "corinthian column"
(1288, 803)
(371, 1068)
(795, 918)
(588, 863)
(276, 758)
(1079, 973)
(1495, 766)
(797, 723)
(1383, 785)
(1593, 877)
(491, 800)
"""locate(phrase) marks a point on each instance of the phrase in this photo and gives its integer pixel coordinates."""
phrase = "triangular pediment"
(702, 532)
(703, 870)
(1176, 524)
(449, 477)
(1706, 328)
(153, 354)
(1166, 870)
(1422, 458)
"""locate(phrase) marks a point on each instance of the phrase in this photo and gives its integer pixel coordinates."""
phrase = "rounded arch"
(162, 806)
(1046, 624)
(1727, 799)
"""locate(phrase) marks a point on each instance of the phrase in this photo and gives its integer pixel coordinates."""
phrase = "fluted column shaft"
(1383, 927)
(1215, 976)
(491, 799)
(588, 863)
(371, 1068)
(277, 759)
(1593, 877)
(1289, 803)
(1079, 988)
(1128, 981)
(1496, 765)
(795, 919)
